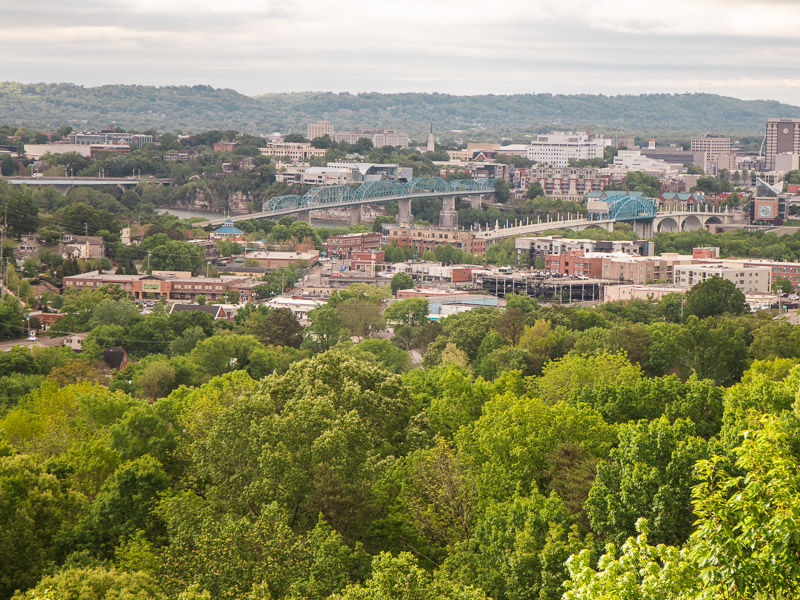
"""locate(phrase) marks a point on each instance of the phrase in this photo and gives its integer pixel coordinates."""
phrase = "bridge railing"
(335, 195)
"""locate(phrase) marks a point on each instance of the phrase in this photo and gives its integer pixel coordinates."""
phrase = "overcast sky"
(742, 48)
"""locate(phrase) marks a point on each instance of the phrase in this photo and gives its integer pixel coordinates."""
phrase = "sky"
(739, 48)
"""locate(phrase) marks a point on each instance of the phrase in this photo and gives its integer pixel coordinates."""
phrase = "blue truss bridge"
(371, 192)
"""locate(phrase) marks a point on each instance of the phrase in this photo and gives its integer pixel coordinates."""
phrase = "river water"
(204, 214)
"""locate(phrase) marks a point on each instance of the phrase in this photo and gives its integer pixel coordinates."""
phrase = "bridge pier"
(304, 216)
(355, 215)
(643, 229)
(448, 217)
(476, 202)
(404, 216)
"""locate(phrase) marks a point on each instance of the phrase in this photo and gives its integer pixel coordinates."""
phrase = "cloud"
(734, 47)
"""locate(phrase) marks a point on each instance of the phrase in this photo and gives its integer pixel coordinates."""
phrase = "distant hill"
(198, 108)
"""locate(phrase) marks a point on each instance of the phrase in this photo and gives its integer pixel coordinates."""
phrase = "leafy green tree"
(648, 475)
(36, 508)
(125, 505)
(325, 329)
(95, 583)
(502, 193)
(745, 543)
(783, 284)
(226, 352)
(535, 190)
(715, 296)
(226, 555)
(511, 325)
(401, 578)
(362, 318)
(714, 348)
(279, 327)
(401, 281)
(386, 354)
(564, 377)
(510, 443)
(411, 311)
(637, 570)
(12, 320)
(465, 331)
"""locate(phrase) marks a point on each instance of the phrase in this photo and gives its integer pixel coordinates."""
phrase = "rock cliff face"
(239, 202)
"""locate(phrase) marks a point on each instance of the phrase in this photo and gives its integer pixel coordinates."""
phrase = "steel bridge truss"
(628, 207)
(377, 191)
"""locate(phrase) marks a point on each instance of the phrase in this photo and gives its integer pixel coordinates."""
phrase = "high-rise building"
(783, 136)
(717, 150)
(319, 129)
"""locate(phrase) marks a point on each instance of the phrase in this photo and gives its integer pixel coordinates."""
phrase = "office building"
(783, 136)
(558, 148)
(555, 244)
(319, 129)
(293, 150)
(717, 151)
(747, 278)
(378, 137)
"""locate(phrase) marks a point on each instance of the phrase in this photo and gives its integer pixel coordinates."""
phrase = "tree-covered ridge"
(185, 108)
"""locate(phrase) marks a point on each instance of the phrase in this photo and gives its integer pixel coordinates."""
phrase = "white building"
(294, 150)
(327, 176)
(747, 278)
(634, 160)
(319, 129)
(559, 147)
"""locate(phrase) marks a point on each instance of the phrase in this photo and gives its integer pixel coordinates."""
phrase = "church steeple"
(431, 142)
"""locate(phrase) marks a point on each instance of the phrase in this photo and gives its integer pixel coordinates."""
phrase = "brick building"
(173, 285)
(343, 245)
(428, 238)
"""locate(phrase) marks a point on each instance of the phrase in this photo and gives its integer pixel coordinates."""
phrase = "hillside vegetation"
(187, 109)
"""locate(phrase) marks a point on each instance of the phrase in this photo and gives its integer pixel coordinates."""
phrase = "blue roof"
(228, 229)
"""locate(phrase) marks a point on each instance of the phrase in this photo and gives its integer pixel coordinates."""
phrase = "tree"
(745, 543)
(511, 324)
(35, 509)
(535, 190)
(125, 505)
(401, 578)
(648, 475)
(361, 317)
(715, 296)
(95, 583)
(226, 352)
(12, 320)
(410, 311)
(564, 377)
(325, 329)
(502, 193)
(783, 285)
(279, 327)
(640, 571)
(401, 281)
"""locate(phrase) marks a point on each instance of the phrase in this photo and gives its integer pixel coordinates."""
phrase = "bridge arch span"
(668, 224)
(691, 223)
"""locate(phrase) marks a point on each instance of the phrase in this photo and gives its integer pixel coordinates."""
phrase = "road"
(46, 342)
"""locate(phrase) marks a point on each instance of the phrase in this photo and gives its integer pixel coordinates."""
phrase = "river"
(204, 214)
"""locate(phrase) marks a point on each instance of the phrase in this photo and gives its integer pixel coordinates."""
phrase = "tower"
(431, 142)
